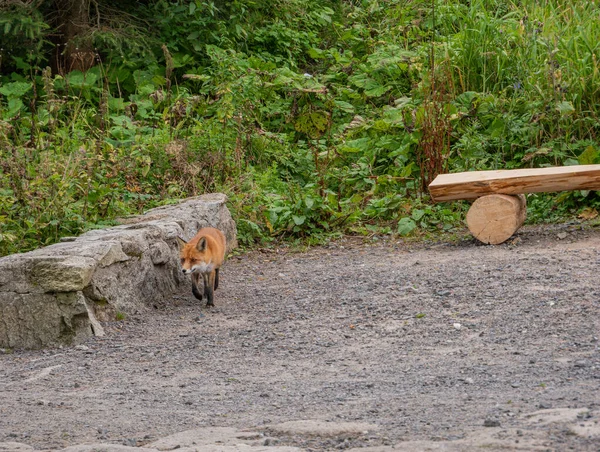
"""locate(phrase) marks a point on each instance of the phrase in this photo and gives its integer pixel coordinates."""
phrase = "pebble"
(343, 445)
(581, 363)
(457, 326)
(491, 423)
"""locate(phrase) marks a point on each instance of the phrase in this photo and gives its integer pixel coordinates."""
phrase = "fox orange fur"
(203, 255)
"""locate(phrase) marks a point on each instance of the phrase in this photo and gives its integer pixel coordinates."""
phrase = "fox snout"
(201, 267)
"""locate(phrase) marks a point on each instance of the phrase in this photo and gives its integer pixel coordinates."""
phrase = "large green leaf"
(14, 107)
(589, 156)
(298, 219)
(313, 124)
(344, 106)
(79, 80)
(406, 226)
(15, 89)
(565, 108)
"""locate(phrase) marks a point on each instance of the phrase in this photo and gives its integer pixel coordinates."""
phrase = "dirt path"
(427, 347)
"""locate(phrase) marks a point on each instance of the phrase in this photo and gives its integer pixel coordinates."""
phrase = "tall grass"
(545, 50)
(534, 66)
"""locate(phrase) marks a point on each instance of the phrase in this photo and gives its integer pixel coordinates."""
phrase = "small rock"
(82, 347)
(562, 235)
(457, 326)
(469, 381)
(270, 442)
(581, 363)
(544, 406)
(584, 415)
(491, 423)
(408, 288)
(515, 385)
(443, 293)
(343, 445)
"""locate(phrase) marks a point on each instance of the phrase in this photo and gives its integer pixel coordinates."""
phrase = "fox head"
(195, 257)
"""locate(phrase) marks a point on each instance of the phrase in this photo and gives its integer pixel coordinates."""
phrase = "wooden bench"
(500, 207)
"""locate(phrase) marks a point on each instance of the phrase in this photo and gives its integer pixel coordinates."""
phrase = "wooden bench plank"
(473, 184)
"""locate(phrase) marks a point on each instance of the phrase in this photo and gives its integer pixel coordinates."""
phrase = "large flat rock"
(203, 439)
(59, 294)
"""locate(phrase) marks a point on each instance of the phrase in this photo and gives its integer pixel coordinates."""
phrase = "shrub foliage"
(316, 117)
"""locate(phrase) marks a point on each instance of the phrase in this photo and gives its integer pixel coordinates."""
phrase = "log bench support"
(500, 209)
(493, 219)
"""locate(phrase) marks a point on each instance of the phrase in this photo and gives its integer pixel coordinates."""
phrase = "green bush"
(316, 118)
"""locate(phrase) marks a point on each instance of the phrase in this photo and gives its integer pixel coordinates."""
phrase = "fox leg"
(209, 287)
(216, 278)
(195, 290)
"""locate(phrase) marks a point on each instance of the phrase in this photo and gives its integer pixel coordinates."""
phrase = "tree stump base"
(493, 219)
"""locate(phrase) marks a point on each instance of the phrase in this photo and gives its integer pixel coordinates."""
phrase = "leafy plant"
(316, 118)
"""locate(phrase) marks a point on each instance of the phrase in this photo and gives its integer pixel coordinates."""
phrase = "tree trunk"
(75, 51)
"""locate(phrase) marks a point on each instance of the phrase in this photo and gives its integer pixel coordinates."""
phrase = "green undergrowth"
(317, 118)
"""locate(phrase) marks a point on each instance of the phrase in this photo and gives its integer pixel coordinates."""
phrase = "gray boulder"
(59, 294)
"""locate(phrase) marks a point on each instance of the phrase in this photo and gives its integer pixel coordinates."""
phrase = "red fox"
(203, 255)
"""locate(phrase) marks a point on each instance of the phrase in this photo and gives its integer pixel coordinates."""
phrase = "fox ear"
(201, 246)
(181, 243)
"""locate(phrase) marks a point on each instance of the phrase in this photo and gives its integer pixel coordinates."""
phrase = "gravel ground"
(435, 344)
